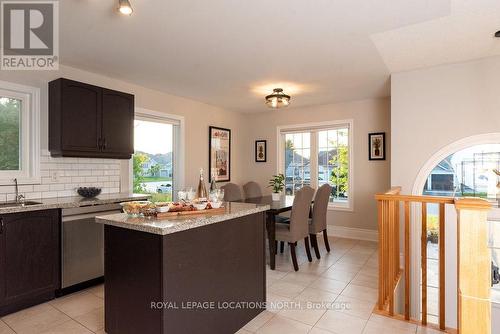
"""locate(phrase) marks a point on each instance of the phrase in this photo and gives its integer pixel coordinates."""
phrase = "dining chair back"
(318, 222)
(252, 190)
(232, 192)
(299, 217)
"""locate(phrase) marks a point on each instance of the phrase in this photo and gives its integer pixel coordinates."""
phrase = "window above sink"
(19, 133)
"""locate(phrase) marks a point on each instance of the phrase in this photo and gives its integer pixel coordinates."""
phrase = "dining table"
(276, 207)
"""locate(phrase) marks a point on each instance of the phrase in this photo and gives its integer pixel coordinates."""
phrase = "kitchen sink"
(14, 204)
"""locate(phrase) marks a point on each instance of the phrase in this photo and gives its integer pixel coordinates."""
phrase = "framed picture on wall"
(219, 160)
(260, 150)
(376, 146)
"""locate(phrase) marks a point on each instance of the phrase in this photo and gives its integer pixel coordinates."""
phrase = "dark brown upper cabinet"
(90, 121)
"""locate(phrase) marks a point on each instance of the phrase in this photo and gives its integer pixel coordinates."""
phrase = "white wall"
(432, 108)
(198, 117)
(369, 176)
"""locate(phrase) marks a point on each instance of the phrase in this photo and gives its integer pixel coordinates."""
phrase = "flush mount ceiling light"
(125, 7)
(497, 34)
(277, 99)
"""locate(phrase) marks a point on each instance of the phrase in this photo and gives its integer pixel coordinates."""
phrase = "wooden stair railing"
(390, 270)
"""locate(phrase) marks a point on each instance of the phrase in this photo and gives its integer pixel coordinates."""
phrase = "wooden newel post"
(474, 266)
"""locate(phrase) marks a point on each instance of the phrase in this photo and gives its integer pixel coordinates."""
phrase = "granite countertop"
(164, 226)
(73, 202)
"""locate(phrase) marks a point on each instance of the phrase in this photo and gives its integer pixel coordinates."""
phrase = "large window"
(19, 142)
(155, 164)
(317, 154)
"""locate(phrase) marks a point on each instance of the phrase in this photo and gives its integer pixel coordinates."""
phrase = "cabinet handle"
(99, 143)
(2, 225)
(104, 144)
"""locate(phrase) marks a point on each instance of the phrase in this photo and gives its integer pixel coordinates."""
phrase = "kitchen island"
(186, 274)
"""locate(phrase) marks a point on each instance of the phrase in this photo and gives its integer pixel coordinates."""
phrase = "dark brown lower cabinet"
(29, 258)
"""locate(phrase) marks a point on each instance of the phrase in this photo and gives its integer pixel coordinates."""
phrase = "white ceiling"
(232, 53)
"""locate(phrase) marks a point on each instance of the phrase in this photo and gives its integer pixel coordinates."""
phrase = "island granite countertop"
(73, 202)
(164, 226)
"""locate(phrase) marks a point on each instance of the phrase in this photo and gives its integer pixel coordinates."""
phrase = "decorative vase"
(276, 197)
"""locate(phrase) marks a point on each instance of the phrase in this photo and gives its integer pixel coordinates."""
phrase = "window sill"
(332, 207)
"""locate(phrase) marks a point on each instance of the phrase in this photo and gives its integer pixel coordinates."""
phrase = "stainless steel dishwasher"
(82, 244)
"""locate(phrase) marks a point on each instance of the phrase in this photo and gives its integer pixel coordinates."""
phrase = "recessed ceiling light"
(125, 7)
(278, 99)
(497, 34)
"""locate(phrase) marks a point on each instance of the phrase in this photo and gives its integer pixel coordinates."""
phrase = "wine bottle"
(213, 184)
(201, 193)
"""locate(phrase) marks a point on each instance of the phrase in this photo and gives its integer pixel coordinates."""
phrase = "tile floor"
(342, 287)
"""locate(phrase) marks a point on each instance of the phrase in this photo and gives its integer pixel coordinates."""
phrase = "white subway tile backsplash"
(61, 176)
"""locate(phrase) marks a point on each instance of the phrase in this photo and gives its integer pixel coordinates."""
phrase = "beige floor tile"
(425, 330)
(303, 314)
(340, 323)
(313, 268)
(361, 292)
(286, 289)
(329, 285)
(4, 329)
(97, 291)
(68, 327)
(243, 331)
(299, 278)
(317, 330)
(258, 321)
(387, 322)
(375, 328)
(78, 303)
(347, 266)
(35, 319)
(316, 295)
(355, 307)
(339, 275)
(276, 303)
(284, 325)
(94, 320)
(275, 274)
(365, 280)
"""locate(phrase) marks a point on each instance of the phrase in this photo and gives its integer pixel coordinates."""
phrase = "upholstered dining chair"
(317, 223)
(232, 192)
(298, 228)
(252, 190)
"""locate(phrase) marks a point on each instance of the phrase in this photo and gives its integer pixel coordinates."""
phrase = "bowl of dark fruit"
(88, 192)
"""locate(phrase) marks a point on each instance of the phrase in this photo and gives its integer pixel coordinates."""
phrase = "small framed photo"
(376, 146)
(260, 150)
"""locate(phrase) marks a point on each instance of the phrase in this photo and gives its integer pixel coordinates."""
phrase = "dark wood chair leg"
(327, 245)
(308, 250)
(314, 243)
(294, 256)
(282, 247)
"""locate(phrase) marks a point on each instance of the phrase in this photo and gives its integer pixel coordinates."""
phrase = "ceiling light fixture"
(497, 34)
(125, 7)
(277, 99)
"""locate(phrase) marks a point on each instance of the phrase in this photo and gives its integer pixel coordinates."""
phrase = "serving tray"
(190, 213)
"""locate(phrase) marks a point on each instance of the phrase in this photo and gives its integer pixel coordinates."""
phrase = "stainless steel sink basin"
(14, 204)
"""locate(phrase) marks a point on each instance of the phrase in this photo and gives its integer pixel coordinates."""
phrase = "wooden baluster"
(424, 263)
(392, 248)
(386, 251)
(442, 268)
(381, 240)
(407, 260)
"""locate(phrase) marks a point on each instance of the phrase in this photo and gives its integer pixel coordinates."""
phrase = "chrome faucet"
(19, 198)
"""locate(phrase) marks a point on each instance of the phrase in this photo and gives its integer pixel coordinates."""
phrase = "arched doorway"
(467, 167)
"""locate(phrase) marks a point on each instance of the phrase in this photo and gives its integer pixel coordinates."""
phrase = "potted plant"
(278, 184)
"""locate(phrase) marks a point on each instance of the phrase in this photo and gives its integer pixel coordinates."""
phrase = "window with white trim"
(19, 133)
(316, 154)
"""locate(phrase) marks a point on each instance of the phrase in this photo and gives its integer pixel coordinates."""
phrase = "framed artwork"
(376, 146)
(219, 160)
(260, 150)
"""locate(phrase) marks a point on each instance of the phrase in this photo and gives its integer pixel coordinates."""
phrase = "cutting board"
(190, 213)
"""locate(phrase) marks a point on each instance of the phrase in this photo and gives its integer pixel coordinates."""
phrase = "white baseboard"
(352, 233)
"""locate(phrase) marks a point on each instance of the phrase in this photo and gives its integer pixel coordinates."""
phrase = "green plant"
(138, 160)
(277, 183)
(340, 173)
